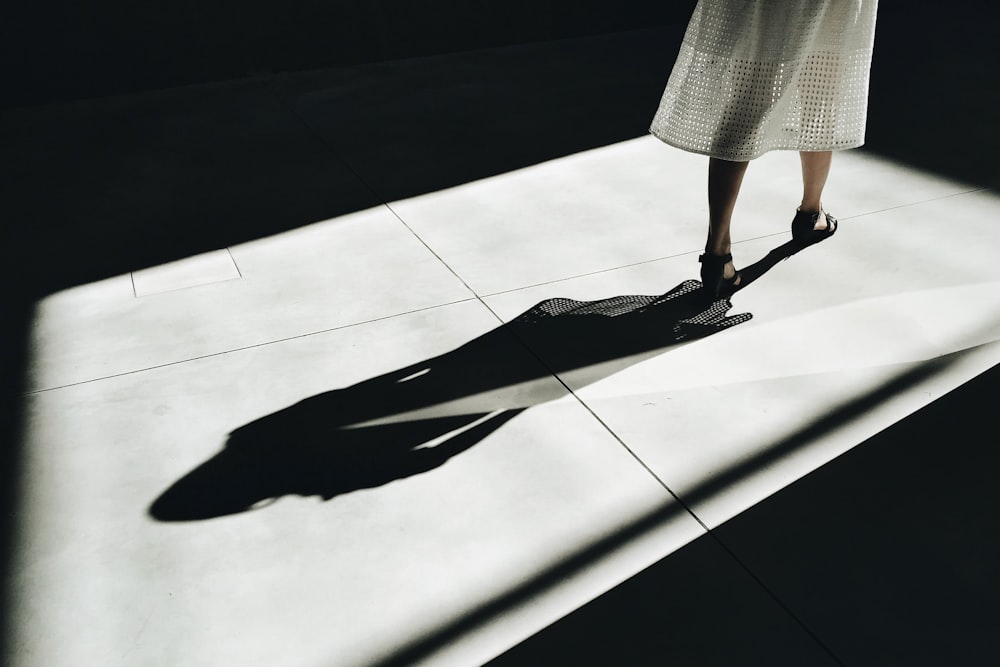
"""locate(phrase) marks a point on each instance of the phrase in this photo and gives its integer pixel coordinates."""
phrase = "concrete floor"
(396, 365)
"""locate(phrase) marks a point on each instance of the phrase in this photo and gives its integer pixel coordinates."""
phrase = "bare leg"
(815, 169)
(724, 181)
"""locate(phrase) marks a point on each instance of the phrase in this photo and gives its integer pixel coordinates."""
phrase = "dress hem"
(756, 154)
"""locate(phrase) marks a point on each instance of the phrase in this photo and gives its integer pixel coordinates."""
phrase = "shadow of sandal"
(754, 271)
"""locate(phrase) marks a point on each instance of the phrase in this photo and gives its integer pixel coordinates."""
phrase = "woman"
(759, 75)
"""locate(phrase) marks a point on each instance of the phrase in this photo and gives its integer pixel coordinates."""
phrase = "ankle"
(718, 250)
(811, 206)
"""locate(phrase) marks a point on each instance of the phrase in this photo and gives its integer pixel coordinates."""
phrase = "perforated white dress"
(754, 76)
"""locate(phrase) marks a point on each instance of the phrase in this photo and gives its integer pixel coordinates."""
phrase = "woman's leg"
(815, 169)
(724, 181)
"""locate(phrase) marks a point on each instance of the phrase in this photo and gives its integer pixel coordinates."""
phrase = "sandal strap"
(715, 259)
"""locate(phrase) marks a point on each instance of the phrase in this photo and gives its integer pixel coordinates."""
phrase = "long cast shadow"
(416, 418)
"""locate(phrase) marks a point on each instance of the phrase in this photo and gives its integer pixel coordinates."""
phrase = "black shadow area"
(696, 608)
(891, 551)
(415, 126)
(933, 89)
(370, 434)
(97, 188)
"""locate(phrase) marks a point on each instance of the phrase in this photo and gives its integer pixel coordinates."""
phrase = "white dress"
(754, 76)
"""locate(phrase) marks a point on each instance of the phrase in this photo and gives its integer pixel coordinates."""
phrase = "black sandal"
(714, 283)
(804, 226)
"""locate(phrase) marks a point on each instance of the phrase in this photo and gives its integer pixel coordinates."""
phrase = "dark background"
(59, 50)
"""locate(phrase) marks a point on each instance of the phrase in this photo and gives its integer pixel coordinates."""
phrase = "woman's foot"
(812, 226)
(719, 277)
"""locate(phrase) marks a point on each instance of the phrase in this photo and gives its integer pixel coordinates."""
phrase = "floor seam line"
(598, 272)
(232, 258)
(587, 274)
(637, 458)
(242, 348)
(712, 534)
(555, 375)
(774, 596)
(330, 148)
(378, 196)
(434, 253)
(915, 203)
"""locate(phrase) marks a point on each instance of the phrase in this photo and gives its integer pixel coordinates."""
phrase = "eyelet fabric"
(754, 76)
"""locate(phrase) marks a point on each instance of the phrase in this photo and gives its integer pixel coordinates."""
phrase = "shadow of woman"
(416, 418)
